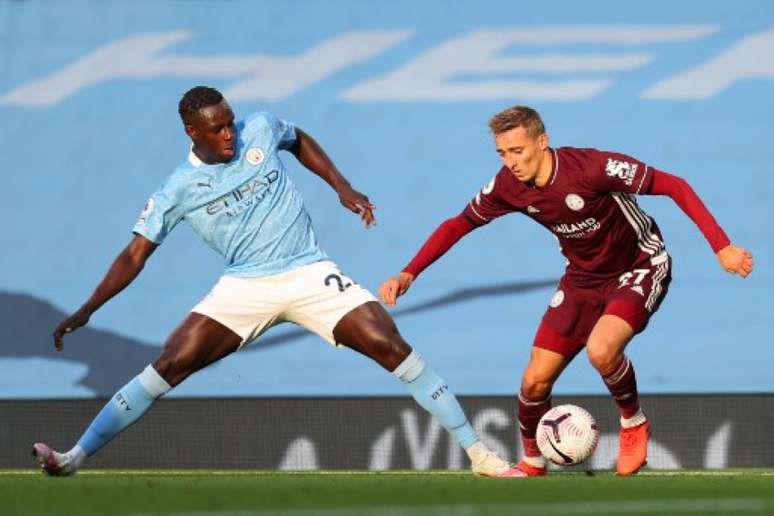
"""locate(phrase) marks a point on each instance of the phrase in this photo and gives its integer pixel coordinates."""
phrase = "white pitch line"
(708, 473)
(276, 473)
(663, 506)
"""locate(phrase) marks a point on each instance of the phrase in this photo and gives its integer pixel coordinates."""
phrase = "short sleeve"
(160, 215)
(614, 172)
(283, 131)
(487, 205)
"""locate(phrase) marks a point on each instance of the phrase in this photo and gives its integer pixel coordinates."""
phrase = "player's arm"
(440, 241)
(486, 206)
(125, 268)
(312, 156)
(733, 259)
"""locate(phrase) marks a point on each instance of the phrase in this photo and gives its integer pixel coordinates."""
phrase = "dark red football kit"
(616, 259)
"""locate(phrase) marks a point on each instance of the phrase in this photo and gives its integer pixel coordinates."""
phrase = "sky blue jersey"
(248, 210)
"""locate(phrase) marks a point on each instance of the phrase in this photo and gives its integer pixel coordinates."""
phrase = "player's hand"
(736, 260)
(358, 203)
(76, 320)
(395, 287)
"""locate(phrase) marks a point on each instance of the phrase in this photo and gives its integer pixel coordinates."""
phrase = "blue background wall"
(399, 94)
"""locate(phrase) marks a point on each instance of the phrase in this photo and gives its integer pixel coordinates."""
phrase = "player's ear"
(190, 130)
(543, 141)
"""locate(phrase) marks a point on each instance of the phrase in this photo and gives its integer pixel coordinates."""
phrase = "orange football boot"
(530, 470)
(633, 452)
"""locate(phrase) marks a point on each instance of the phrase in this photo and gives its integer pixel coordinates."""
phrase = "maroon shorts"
(574, 310)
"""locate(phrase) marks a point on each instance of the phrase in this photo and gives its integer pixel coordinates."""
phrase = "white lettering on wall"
(474, 67)
(300, 455)
(421, 450)
(751, 58)
(263, 77)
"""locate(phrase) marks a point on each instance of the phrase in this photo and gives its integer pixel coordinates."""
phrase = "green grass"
(242, 493)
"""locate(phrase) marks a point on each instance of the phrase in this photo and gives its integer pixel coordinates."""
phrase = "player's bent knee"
(535, 388)
(381, 343)
(603, 357)
(387, 348)
(174, 367)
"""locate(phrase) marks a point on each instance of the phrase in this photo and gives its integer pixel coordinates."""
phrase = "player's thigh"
(247, 306)
(332, 305)
(196, 343)
(567, 321)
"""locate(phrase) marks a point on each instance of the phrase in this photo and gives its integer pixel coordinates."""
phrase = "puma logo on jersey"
(623, 170)
(205, 185)
(532, 209)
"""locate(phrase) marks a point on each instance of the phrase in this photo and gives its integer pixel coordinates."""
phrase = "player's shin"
(622, 384)
(123, 409)
(433, 394)
(530, 413)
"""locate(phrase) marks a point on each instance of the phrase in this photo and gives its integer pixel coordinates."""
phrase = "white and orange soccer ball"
(567, 435)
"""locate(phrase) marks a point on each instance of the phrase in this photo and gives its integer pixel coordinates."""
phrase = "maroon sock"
(530, 413)
(622, 384)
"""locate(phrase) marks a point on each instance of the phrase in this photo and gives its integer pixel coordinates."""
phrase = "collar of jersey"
(193, 159)
(555, 171)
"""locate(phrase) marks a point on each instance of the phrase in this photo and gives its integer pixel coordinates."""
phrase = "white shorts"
(315, 296)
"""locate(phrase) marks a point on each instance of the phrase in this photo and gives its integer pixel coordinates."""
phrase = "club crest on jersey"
(623, 170)
(574, 202)
(557, 299)
(254, 156)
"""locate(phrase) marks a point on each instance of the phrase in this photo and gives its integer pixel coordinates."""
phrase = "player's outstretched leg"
(196, 343)
(370, 330)
(605, 349)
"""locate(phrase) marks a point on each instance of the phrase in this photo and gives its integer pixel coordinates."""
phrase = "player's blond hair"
(517, 116)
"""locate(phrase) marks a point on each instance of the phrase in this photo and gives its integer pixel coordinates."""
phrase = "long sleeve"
(684, 196)
(442, 239)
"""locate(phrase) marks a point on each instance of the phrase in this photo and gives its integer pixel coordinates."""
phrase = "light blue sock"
(432, 393)
(123, 409)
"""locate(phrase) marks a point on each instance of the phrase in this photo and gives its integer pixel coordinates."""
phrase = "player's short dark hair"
(517, 116)
(197, 98)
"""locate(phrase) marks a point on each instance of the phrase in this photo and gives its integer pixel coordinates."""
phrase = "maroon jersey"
(588, 205)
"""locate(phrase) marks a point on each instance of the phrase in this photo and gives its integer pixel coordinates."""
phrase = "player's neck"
(546, 168)
(204, 157)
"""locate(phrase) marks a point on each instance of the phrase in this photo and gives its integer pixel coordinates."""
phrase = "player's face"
(213, 133)
(521, 153)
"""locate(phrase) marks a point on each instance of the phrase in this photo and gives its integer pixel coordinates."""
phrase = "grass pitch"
(243, 493)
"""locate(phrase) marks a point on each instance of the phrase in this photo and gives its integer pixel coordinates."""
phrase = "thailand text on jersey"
(248, 210)
(588, 205)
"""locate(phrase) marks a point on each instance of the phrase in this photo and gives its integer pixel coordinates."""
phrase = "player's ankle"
(477, 451)
(636, 419)
(536, 462)
(73, 459)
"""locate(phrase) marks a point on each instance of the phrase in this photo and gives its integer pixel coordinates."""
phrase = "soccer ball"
(567, 435)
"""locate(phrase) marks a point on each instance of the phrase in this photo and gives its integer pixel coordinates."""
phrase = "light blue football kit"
(250, 212)
(247, 210)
